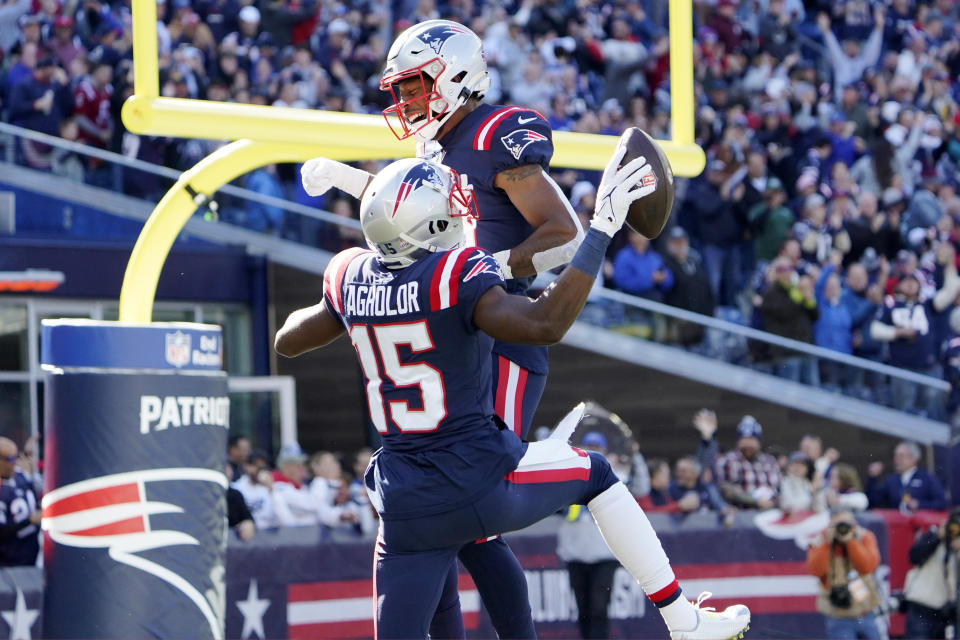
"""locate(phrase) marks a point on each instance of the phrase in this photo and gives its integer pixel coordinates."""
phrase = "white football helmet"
(449, 62)
(414, 207)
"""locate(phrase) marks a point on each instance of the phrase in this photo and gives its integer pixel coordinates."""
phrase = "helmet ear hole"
(459, 77)
(442, 225)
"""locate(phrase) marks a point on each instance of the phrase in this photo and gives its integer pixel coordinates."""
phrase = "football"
(649, 214)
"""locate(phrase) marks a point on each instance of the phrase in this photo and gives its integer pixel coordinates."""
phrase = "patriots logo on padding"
(113, 512)
(518, 140)
(417, 175)
(434, 37)
(486, 264)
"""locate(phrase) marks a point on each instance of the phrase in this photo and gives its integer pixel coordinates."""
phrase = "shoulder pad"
(519, 117)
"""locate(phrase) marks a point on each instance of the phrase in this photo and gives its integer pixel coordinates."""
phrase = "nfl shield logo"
(178, 348)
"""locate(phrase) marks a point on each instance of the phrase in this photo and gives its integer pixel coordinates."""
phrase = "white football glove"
(619, 188)
(320, 174)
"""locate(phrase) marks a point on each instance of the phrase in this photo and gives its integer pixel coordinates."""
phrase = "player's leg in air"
(551, 475)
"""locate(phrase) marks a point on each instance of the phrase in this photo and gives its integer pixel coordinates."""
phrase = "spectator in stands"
(19, 545)
(659, 498)
(292, 500)
(639, 270)
(256, 485)
(770, 221)
(691, 287)
(691, 493)
(850, 61)
(331, 494)
(65, 45)
(590, 563)
(267, 218)
(796, 492)
(905, 323)
(834, 326)
(842, 490)
(238, 452)
(719, 230)
(908, 488)
(844, 558)
(748, 477)
(789, 309)
(39, 102)
(931, 586)
(239, 518)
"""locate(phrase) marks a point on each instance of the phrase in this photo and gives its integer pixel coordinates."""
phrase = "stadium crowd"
(326, 487)
(826, 214)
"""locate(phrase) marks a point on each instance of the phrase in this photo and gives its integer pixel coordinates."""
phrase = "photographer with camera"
(930, 592)
(844, 557)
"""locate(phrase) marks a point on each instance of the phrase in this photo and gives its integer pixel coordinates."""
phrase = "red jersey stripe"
(455, 275)
(548, 475)
(481, 139)
(518, 401)
(435, 302)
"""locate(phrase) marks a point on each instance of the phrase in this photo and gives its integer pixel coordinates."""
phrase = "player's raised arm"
(319, 175)
(545, 320)
(556, 230)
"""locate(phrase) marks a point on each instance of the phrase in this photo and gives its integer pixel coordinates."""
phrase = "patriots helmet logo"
(435, 37)
(112, 512)
(418, 175)
(517, 141)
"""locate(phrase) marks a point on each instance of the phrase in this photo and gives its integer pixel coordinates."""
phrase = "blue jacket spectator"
(833, 329)
(908, 487)
(639, 270)
(264, 217)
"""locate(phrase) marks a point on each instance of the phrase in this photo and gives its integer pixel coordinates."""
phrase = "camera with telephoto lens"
(843, 528)
(840, 596)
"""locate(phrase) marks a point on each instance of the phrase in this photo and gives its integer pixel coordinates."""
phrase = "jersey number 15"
(384, 340)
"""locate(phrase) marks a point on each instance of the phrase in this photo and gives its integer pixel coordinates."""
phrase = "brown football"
(649, 214)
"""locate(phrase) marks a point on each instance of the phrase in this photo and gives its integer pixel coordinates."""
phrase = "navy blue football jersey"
(491, 139)
(919, 352)
(427, 371)
(17, 501)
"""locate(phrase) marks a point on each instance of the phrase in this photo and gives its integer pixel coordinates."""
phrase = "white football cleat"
(712, 625)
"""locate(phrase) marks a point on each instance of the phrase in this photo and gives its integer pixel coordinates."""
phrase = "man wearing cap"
(691, 287)
(904, 322)
(65, 45)
(256, 485)
(770, 221)
(294, 504)
(747, 477)
(590, 563)
(42, 100)
(243, 41)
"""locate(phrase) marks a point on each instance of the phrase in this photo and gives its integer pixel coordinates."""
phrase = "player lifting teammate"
(437, 75)
(422, 313)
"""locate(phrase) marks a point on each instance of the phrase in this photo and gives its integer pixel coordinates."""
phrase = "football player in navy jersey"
(19, 515)
(422, 312)
(437, 75)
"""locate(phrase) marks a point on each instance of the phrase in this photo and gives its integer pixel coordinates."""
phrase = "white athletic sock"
(631, 538)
